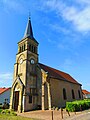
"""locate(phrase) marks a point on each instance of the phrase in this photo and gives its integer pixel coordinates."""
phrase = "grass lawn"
(9, 117)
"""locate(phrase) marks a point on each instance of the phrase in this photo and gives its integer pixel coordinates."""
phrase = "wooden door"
(16, 100)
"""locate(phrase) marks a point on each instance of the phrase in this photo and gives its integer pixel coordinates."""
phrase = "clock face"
(32, 61)
(21, 61)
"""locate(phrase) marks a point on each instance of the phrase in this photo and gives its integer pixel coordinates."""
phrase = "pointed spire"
(28, 31)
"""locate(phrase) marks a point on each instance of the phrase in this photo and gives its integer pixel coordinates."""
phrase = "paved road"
(82, 116)
(47, 115)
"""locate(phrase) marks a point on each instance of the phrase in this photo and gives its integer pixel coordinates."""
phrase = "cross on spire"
(29, 15)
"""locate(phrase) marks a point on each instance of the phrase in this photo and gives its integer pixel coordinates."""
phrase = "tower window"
(29, 47)
(64, 94)
(24, 47)
(73, 95)
(20, 49)
(34, 50)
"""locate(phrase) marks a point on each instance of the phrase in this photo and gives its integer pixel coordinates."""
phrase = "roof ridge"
(54, 68)
(4, 89)
(59, 74)
(85, 91)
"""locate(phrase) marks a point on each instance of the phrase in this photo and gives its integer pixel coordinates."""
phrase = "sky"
(62, 28)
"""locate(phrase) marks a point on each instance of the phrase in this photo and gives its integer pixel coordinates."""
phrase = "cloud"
(67, 64)
(78, 18)
(87, 84)
(83, 2)
(63, 46)
(81, 20)
(13, 5)
(20, 6)
(5, 76)
(51, 41)
(77, 15)
(59, 29)
(6, 79)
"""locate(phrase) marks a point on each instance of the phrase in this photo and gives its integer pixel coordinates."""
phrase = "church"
(36, 85)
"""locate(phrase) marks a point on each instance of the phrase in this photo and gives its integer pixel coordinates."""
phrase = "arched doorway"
(16, 100)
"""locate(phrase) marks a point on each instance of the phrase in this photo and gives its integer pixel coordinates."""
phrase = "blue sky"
(62, 29)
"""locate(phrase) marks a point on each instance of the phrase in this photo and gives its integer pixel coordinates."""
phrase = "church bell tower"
(24, 88)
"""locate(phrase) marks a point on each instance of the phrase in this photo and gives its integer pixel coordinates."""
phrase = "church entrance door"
(16, 100)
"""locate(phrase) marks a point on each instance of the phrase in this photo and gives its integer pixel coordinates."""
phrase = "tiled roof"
(85, 92)
(53, 73)
(2, 90)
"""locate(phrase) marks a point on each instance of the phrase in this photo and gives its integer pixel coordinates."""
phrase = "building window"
(30, 99)
(79, 94)
(32, 91)
(24, 47)
(73, 95)
(20, 49)
(64, 94)
(29, 47)
(34, 50)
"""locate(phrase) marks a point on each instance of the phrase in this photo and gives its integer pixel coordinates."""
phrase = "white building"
(86, 94)
(5, 95)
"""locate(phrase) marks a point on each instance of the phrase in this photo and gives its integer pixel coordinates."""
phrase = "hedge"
(78, 105)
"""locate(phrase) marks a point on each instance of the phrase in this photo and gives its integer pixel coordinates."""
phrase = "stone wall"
(57, 86)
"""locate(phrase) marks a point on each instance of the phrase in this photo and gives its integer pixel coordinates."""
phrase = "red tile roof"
(2, 90)
(85, 92)
(53, 73)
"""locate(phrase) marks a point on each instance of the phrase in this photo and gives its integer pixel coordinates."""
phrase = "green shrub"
(1, 106)
(70, 106)
(53, 108)
(0, 110)
(78, 105)
(8, 112)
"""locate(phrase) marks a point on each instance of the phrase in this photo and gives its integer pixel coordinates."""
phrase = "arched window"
(79, 94)
(32, 48)
(73, 95)
(36, 49)
(20, 49)
(29, 47)
(64, 94)
(24, 47)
